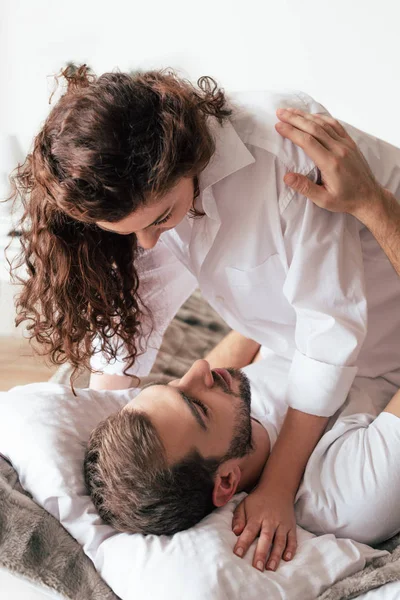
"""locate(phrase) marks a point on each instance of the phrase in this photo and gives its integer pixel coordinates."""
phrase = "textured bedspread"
(35, 545)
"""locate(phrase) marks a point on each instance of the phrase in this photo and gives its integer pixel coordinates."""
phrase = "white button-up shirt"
(298, 279)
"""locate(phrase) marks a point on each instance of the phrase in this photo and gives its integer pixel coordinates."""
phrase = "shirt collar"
(230, 154)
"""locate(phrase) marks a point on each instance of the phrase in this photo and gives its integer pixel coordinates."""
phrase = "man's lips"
(226, 376)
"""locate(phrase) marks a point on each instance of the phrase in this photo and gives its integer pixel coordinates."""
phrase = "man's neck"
(253, 464)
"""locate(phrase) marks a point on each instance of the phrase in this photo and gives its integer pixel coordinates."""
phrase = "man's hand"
(270, 516)
(348, 184)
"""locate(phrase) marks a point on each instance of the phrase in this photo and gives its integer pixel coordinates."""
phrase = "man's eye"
(164, 220)
(202, 406)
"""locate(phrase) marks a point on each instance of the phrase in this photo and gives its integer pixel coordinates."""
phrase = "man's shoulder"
(254, 118)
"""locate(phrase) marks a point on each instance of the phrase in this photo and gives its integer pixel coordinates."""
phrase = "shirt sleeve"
(165, 284)
(325, 279)
(325, 286)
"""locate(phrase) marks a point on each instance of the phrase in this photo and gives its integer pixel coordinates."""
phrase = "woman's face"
(150, 221)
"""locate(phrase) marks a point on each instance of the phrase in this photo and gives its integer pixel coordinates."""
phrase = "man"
(176, 451)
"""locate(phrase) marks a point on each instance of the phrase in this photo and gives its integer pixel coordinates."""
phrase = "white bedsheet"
(390, 591)
(16, 587)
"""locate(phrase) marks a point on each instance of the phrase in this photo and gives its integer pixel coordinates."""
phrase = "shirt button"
(220, 299)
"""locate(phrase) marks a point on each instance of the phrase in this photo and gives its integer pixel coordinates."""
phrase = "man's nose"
(200, 370)
(148, 240)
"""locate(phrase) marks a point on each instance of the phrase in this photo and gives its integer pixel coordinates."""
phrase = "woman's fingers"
(291, 545)
(248, 536)
(275, 542)
(263, 548)
(239, 519)
(280, 541)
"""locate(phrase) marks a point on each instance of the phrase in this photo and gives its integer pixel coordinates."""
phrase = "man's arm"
(348, 184)
(382, 217)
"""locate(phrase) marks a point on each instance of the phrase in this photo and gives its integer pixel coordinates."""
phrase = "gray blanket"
(380, 571)
(35, 545)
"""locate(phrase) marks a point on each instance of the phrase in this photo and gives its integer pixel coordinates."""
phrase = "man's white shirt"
(312, 286)
(351, 483)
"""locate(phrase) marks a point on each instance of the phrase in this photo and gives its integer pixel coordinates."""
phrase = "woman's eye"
(164, 220)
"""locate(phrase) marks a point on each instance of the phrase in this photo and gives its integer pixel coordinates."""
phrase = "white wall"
(343, 52)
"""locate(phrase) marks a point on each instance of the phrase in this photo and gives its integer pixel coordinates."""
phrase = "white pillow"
(43, 431)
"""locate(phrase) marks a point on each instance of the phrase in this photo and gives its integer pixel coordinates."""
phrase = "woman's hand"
(348, 184)
(270, 515)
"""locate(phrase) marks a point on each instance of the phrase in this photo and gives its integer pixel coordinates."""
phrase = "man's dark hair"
(131, 484)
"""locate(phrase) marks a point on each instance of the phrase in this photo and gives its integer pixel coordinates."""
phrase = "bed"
(32, 573)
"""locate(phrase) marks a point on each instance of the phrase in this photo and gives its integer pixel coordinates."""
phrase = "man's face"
(206, 409)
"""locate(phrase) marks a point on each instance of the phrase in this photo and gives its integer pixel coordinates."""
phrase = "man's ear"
(226, 483)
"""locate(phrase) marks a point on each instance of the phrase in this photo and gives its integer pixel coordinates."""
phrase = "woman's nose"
(147, 240)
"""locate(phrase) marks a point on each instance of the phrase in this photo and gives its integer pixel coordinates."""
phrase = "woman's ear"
(226, 483)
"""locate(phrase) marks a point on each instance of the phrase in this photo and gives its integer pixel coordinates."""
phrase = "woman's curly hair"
(107, 146)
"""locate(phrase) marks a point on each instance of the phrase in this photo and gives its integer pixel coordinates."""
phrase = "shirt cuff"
(318, 388)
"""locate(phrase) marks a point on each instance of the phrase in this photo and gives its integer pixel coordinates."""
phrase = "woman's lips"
(226, 376)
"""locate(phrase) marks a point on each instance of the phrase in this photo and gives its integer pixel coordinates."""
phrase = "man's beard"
(241, 443)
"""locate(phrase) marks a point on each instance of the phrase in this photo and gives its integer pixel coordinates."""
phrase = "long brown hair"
(108, 144)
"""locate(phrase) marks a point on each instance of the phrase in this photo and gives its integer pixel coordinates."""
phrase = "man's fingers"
(304, 186)
(291, 545)
(338, 127)
(334, 124)
(248, 536)
(327, 127)
(311, 146)
(263, 548)
(328, 124)
(239, 519)
(311, 124)
(277, 549)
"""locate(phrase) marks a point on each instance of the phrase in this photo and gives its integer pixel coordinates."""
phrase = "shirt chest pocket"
(257, 293)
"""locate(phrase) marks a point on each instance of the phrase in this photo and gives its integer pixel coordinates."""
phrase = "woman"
(125, 158)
